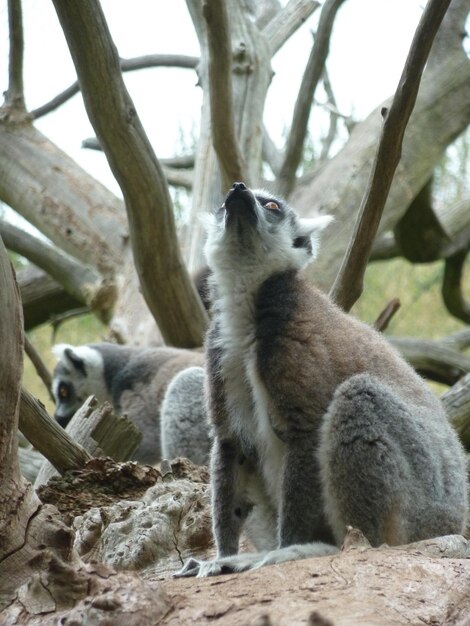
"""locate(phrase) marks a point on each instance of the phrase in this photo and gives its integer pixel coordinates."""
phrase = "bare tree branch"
(127, 65)
(452, 290)
(224, 137)
(177, 162)
(271, 154)
(178, 177)
(40, 430)
(39, 365)
(382, 322)
(250, 80)
(14, 96)
(81, 281)
(433, 359)
(334, 115)
(459, 340)
(43, 298)
(349, 282)
(13, 489)
(46, 187)
(284, 24)
(311, 78)
(166, 285)
(171, 167)
(456, 401)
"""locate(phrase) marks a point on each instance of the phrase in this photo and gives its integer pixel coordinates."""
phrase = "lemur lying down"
(318, 422)
(134, 381)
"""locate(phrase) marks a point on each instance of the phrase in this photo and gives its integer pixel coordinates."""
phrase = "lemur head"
(258, 230)
(78, 374)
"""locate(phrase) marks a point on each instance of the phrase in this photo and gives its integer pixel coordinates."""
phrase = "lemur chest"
(247, 402)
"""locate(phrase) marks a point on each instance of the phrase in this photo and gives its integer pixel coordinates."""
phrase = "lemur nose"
(239, 186)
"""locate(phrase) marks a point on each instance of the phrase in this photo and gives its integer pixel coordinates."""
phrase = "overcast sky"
(369, 45)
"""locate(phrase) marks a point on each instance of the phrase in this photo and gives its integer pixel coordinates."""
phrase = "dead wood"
(452, 289)
(48, 437)
(384, 319)
(383, 586)
(30, 462)
(166, 285)
(43, 298)
(39, 365)
(79, 595)
(456, 402)
(348, 285)
(98, 431)
(338, 187)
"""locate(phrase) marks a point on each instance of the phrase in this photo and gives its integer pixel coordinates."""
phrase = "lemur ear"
(313, 225)
(77, 362)
(307, 233)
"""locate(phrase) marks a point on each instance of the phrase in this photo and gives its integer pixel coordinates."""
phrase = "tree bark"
(337, 189)
(165, 283)
(47, 188)
(348, 285)
(251, 74)
(43, 298)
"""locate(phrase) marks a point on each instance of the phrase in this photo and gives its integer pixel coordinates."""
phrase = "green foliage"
(422, 312)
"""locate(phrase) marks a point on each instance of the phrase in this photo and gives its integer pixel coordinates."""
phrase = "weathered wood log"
(435, 360)
(98, 431)
(48, 437)
(456, 402)
(43, 298)
(30, 462)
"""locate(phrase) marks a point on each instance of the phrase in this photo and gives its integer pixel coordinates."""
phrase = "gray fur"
(134, 380)
(318, 422)
(185, 430)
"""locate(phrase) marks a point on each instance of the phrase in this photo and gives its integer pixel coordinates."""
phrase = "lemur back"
(318, 422)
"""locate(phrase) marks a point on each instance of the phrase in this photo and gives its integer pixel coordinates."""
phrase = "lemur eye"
(63, 391)
(272, 205)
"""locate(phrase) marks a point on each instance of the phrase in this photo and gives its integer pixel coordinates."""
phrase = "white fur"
(237, 284)
(93, 382)
(249, 561)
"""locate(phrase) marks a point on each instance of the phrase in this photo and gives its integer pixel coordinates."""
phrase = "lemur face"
(77, 375)
(255, 227)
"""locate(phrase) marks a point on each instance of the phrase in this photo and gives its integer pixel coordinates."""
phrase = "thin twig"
(383, 320)
(303, 105)
(349, 281)
(14, 96)
(39, 365)
(333, 125)
(284, 24)
(127, 65)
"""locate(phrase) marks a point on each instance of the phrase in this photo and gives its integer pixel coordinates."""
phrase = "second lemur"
(318, 422)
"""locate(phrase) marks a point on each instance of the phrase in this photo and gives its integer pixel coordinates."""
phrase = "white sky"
(369, 46)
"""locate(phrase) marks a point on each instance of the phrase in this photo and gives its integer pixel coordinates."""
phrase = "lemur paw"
(225, 565)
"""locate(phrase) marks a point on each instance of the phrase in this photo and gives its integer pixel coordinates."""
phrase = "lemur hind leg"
(382, 466)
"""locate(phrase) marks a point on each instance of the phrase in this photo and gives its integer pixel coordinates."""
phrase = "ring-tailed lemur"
(318, 422)
(134, 381)
(185, 429)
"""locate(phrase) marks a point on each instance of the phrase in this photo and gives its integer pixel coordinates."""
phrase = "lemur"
(185, 429)
(134, 381)
(318, 422)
